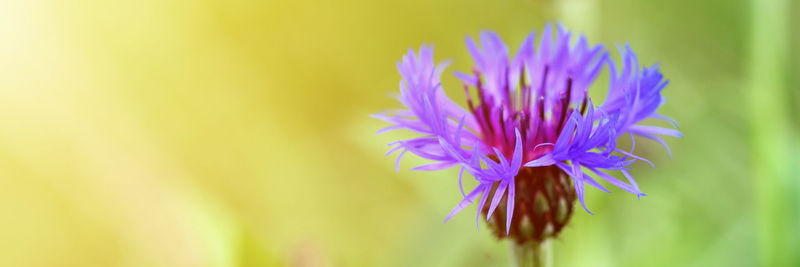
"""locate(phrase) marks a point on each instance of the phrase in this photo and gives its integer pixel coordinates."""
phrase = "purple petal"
(482, 203)
(616, 182)
(465, 202)
(665, 118)
(632, 181)
(577, 179)
(635, 156)
(470, 80)
(589, 180)
(460, 179)
(510, 204)
(545, 160)
(516, 160)
(659, 140)
(397, 161)
(644, 129)
(498, 195)
(434, 166)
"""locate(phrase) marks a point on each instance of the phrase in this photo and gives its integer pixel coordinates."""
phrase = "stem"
(531, 254)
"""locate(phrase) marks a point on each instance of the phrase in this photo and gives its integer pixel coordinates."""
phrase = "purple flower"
(531, 127)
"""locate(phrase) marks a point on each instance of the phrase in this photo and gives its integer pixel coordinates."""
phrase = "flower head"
(531, 128)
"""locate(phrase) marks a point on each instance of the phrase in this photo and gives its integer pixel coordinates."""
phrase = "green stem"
(531, 254)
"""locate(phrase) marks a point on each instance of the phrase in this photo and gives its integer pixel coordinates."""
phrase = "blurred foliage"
(236, 133)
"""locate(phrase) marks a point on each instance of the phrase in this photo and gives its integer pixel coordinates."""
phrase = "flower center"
(538, 112)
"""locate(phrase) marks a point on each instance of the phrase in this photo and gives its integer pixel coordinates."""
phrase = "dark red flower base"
(544, 201)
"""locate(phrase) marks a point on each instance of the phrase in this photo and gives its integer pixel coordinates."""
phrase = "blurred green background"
(236, 133)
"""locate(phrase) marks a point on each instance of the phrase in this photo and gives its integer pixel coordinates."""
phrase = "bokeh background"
(236, 133)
